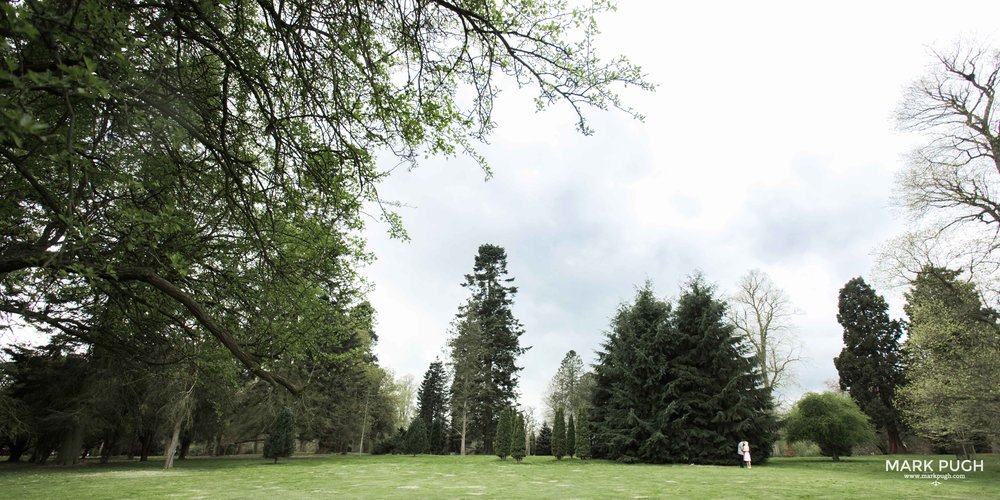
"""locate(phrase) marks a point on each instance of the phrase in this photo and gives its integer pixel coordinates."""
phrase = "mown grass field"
(466, 477)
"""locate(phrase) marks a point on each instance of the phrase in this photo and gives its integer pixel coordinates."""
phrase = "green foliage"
(559, 435)
(582, 435)
(953, 357)
(518, 438)
(505, 427)
(432, 407)
(485, 347)
(677, 385)
(543, 444)
(569, 387)
(206, 163)
(280, 440)
(416, 437)
(570, 436)
(870, 364)
(832, 420)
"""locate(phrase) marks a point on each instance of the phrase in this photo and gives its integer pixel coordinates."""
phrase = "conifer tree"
(678, 385)
(486, 364)
(502, 440)
(438, 437)
(416, 437)
(543, 444)
(281, 436)
(432, 398)
(570, 436)
(870, 364)
(582, 434)
(532, 442)
(517, 447)
(559, 435)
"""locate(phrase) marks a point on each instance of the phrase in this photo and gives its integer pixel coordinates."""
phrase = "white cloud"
(769, 144)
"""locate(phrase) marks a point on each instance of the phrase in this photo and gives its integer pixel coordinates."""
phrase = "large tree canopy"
(208, 164)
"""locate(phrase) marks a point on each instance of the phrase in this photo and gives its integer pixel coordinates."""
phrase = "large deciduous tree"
(953, 358)
(761, 313)
(567, 387)
(949, 183)
(208, 162)
(870, 364)
(678, 385)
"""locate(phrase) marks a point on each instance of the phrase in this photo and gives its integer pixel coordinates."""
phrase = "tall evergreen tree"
(570, 436)
(582, 434)
(432, 398)
(870, 364)
(465, 345)
(518, 440)
(559, 435)
(280, 440)
(489, 378)
(502, 439)
(543, 444)
(678, 386)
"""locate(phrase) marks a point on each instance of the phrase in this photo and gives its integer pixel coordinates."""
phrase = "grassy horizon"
(427, 476)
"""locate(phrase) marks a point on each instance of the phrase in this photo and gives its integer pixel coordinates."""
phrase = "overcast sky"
(770, 143)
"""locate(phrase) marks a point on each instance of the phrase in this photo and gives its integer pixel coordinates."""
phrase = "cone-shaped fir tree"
(559, 435)
(502, 441)
(416, 437)
(570, 436)
(543, 444)
(281, 436)
(678, 385)
(518, 438)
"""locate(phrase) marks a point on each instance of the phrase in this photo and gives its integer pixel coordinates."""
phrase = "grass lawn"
(451, 476)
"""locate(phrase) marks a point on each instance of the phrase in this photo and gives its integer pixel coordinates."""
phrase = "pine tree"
(870, 364)
(517, 447)
(281, 436)
(678, 386)
(543, 444)
(502, 440)
(570, 436)
(432, 398)
(416, 437)
(487, 380)
(532, 442)
(582, 435)
(559, 435)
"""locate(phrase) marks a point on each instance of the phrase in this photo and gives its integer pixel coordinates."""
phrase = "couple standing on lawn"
(743, 450)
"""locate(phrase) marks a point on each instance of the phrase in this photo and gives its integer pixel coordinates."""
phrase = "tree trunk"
(17, 449)
(894, 441)
(168, 455)
(364, 423)
(465, 421)
(146, 445)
